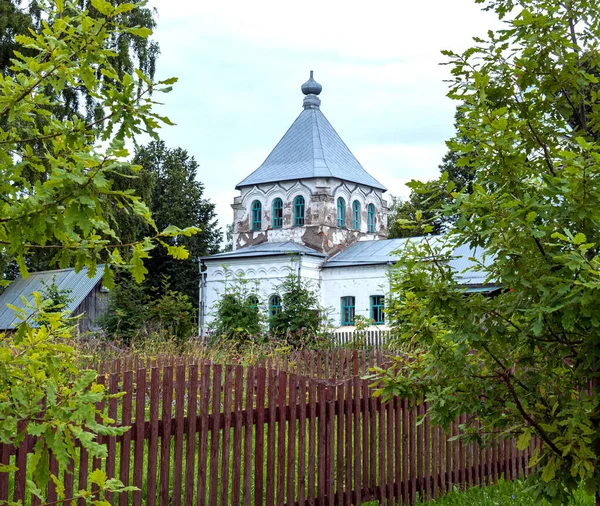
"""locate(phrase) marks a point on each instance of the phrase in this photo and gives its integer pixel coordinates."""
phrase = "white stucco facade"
(266, 273)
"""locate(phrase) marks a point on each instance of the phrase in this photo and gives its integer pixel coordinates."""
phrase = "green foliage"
(168, 183)
(56, 297)
(420, 213)
(135, 313)
(299, 320)
(503, 493)
(526, 361)
(126, 311)
(174, 312)
(56, 182)
(43, 394)
(65, 210)
(236, 313)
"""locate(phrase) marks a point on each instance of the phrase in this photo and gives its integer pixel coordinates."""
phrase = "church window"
(371, 218)
(277, 213)
(299, 211)
(253, 302)
(341, 212)
(256, 215)
(348, 305)
(274, 305)
(356, 215)
(377, 307)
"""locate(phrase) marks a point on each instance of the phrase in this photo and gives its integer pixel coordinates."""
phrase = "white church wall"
(359, 282)
(267, 272)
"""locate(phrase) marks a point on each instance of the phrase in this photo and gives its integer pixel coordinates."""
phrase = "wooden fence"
(361, 338)
(210, 434)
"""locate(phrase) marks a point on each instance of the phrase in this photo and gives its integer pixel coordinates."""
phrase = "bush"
(134, 314)
(300, 319)
(236, 312)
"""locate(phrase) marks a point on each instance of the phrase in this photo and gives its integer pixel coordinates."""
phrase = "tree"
(66, 212)
(237, 313)
(130, 50)
(407, 218)
(167, 183)
(525, 362)
(298, 320)
(134, 313)
(426, 207)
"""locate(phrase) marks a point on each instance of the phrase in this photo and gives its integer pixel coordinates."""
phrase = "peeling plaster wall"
(320, 230)
(267, 272)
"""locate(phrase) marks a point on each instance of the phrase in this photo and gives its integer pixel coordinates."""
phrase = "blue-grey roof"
(267, 249)
(79, 283)
(311, 148)
(382, 252)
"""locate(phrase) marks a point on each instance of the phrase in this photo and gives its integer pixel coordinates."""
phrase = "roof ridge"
(316, 126)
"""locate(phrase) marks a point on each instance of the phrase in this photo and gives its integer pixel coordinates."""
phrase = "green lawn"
(500, 494)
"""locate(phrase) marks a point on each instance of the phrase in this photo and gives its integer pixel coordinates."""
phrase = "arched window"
(277, 213)
(256, 215)
(274, 305)
(356, 215)
(253, 302)
(371, 218)
(341, 212)
(299, 211)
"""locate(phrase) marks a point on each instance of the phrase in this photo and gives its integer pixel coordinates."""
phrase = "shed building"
(86, 296)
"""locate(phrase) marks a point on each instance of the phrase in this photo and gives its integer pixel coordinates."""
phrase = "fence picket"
(248, 428)
(272, 406)
(165, 440)
(205, 376)
(125, 453)
(190, 441)
(261, 378)
(236, 463)
(226, 440)
(153, 442)
(215, 437)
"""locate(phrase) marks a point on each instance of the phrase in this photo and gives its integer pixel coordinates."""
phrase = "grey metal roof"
(267, 249)
(382, 252)
(79, 283)
(311, 148)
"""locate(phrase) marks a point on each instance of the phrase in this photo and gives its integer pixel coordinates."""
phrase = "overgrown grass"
(503, 493)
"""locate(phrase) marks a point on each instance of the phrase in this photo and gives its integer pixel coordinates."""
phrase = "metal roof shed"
(87, 296)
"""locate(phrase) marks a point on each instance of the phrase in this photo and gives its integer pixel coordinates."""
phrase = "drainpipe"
(202, 298)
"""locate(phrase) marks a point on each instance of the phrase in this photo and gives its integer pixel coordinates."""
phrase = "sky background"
(241, 63)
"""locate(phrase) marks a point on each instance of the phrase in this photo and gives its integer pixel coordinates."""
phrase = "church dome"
(311, 87)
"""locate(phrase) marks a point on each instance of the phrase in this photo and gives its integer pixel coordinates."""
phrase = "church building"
(310, 208)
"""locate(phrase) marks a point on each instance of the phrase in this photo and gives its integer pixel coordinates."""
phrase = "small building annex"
(87, 298)
(310, 208)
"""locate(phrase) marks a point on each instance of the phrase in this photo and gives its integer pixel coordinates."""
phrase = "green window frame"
(341, 212)
(274, 305)
(256, 215)
(253, 302)
(277, 213)
(299, 211)
(371, 218)
(356, 215)
(377, 308)
(348, 310)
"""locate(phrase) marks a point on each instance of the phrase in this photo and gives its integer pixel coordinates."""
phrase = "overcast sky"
(240, 65)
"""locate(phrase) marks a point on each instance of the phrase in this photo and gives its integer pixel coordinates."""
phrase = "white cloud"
(240, 66)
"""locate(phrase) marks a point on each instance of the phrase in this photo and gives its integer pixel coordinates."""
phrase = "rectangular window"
(377, 307)
(348, 305)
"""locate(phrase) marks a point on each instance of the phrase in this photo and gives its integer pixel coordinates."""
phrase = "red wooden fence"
(208, 434)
